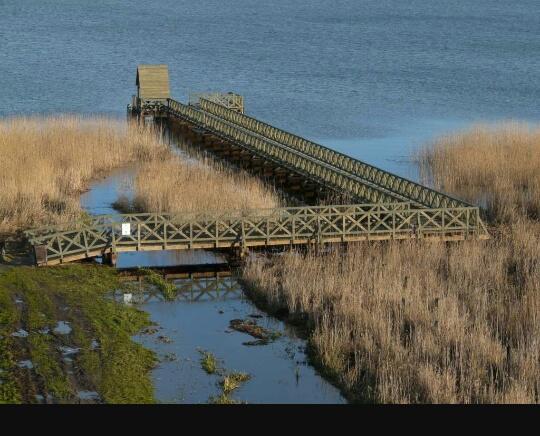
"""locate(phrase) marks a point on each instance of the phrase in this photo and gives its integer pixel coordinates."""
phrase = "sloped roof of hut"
(153, 82)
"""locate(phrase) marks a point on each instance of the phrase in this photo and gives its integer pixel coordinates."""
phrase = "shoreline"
(302, 327)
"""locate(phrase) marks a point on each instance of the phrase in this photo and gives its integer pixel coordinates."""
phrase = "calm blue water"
(373, 78)
(279, 371)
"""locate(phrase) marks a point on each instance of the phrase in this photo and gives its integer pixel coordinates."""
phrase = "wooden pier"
(386, 206)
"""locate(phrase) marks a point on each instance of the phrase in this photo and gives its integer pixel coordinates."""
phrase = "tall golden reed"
(199, 186)
(410, 322)
(46, 162)
(497, 167)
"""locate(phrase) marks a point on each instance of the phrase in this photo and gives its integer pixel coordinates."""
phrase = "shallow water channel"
(198, 321)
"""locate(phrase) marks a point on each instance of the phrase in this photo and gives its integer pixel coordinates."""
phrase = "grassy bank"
(94, 353)
(421, 322)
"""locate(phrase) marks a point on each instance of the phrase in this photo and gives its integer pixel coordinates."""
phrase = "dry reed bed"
(424, 322)
(496, 167)
(204, 186)
(46, 162)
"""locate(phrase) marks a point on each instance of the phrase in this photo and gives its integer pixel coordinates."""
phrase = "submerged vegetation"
(409, 322)
(167, 288)
(209, 362)
(233, 381)
(62, 337)
(262, 335)
(229, 382)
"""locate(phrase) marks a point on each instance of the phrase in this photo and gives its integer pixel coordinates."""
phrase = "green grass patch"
(9, 388)
(108, 361)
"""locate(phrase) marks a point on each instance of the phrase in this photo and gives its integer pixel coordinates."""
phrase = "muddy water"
(199, 321)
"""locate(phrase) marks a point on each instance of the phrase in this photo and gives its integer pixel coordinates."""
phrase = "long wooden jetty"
(384, 206)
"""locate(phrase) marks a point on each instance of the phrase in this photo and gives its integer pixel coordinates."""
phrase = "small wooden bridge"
(110, 234)
(386, 206)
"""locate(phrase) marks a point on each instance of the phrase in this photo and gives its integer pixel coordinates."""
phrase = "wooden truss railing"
(309, 167)
(266, 227)
(383, 179)
(228, 100)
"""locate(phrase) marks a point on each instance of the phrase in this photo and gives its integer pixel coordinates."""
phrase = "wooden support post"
(165, 236)
(40, 255)
(110, 258)
(319, 238)
(86, 243)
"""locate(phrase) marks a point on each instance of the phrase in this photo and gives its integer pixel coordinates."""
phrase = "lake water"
(372, 78)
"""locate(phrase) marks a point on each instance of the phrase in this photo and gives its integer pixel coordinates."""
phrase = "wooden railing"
(265, 227)
(383, 179)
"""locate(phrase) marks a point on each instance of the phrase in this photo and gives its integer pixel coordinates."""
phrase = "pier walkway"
(384, 206)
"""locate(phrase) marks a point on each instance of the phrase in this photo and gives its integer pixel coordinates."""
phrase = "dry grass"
(496, 167)
(177, 185)
(421, 322)
(47, 162)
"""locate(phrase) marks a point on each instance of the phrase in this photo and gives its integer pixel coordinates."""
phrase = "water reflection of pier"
(191, 287)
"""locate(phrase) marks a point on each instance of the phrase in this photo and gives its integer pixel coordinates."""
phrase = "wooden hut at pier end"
(152, 83)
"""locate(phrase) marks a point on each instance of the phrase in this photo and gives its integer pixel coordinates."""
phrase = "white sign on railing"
(126, 229)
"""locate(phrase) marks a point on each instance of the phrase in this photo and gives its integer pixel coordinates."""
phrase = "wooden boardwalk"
(386, 206)
(112, 234)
